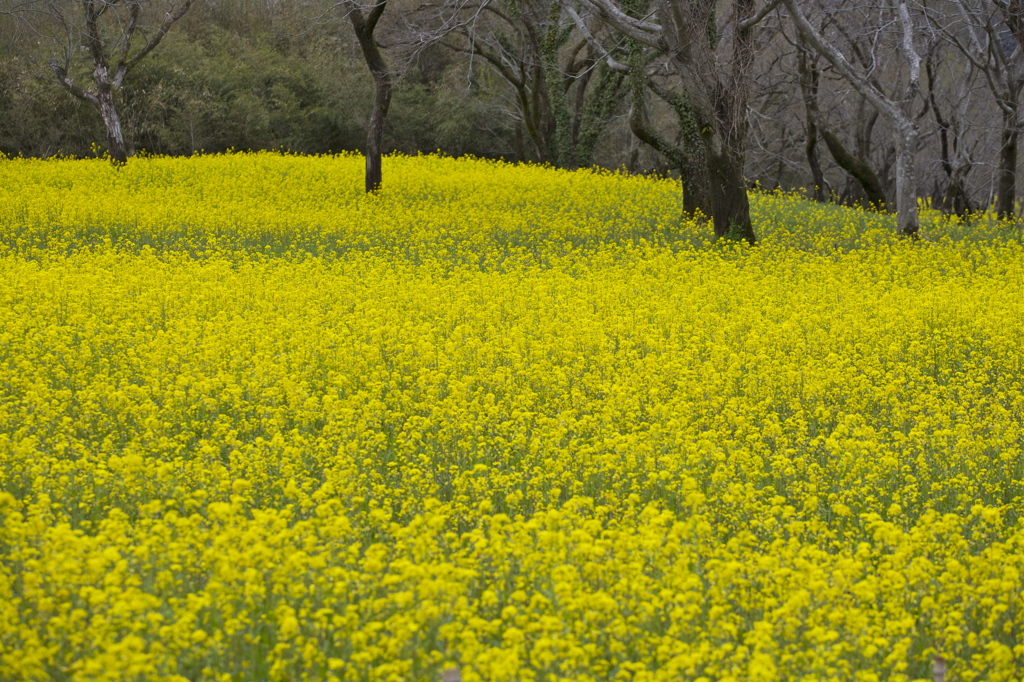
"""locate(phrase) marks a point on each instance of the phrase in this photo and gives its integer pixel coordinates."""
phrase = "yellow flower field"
(521, 422)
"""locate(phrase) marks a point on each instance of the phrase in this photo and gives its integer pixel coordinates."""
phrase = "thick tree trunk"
(716, 90)
(718, 99)
(364, 27)
(696, 193)
(1006, 184)
(728, 194)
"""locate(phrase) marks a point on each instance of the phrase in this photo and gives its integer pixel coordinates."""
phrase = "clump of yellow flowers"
(526, 423)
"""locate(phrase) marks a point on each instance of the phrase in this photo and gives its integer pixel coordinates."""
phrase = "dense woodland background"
(539, 80)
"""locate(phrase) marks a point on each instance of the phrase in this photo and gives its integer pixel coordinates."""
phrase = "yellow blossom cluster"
(526, 423)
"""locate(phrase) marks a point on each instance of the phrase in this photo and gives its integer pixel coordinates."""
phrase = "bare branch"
(594, 43)
(169, 21)
(62, 77)
(765, 11)
(642, 31)
(913, 58)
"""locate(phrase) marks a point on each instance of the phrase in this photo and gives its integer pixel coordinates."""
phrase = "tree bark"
(685, 157)
(364, 28)
(954, 198)
(696, 193)
(906, 180)
(820, 189)
(1006, 184)
(856, 167)
(978, 32)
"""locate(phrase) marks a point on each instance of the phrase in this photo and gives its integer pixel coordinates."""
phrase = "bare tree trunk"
(729, 204)
(856, 167)
(685, 156)
(809, 91)
(1013, 13)
(978, 31)
(112, 123)
(104, 99)
(693, 175)
(953, 199)
(375, 132)
(1006, 185)
(565, 99)
(696, 192)
(820, 190)
(906, 180)
(518, 142)
(716, 89)
(364, 27)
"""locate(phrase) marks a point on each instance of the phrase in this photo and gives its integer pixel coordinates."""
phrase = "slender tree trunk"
(112, 122)
(1006, 187)
(364, 27)
(906, 180)
(814, 163)
(375, 133)
(809, 91)
(954, 198)
(857, 167)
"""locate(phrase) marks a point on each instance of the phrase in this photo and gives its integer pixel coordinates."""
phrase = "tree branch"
(169, 21)
(749, 22)
(62, 77)
(642, 31)
(594, 43)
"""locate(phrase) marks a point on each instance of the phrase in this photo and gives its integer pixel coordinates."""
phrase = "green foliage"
(216, 85)
(221, 91)
(37, 118)
(735, 233)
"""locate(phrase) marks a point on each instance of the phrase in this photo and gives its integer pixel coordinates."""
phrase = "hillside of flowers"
(519, 422)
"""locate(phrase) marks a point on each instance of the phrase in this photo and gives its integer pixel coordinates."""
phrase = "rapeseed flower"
(517, 421)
